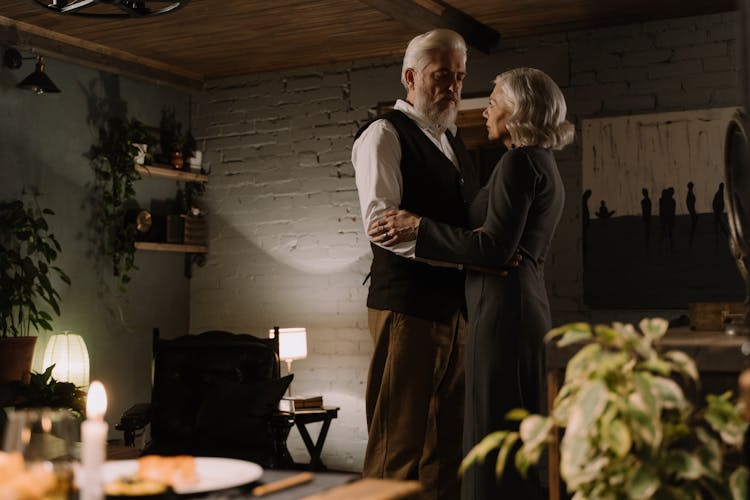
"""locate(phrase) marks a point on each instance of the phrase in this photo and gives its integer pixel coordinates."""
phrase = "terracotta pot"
(175, 158)
(16, 355)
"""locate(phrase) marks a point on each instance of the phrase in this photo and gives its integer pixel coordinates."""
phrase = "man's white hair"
(419, 51)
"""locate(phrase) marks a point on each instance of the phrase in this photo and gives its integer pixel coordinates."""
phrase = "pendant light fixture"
(38, 81)
(112, 8)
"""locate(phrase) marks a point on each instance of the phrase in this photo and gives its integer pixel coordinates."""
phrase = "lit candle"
(93, 443)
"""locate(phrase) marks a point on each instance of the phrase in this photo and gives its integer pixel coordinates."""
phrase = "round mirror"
(737, 173)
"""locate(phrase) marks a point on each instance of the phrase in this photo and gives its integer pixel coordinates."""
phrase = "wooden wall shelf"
(167, 172)
(193, 253)
(170, 247)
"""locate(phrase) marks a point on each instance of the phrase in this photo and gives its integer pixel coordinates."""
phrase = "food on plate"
(22, 482)
(175, 471)
(134, 487)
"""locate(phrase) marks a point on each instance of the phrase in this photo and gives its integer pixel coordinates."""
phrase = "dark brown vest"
(434, 188)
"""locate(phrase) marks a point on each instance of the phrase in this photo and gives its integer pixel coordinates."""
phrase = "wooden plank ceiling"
(217, 38)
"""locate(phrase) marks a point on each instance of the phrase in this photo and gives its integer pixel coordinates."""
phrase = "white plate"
(213, 473)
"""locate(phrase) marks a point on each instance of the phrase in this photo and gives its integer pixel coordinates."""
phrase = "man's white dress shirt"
(376, 156)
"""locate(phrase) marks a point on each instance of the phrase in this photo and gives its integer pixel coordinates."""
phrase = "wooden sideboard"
(717, 356)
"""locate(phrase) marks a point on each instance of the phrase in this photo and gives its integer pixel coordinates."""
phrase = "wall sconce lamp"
(38, 81)
(71, 358)
(292, 345)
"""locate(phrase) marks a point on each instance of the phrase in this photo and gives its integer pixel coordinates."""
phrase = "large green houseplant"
(628, 429)
(27, 289)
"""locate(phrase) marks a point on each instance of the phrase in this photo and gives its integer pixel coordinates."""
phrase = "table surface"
(322, 481)
(311, 415)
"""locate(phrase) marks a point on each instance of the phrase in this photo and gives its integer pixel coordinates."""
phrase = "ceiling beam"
(430, 14)
(93, 55)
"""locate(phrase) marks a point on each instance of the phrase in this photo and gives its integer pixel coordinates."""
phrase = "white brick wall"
(287, 244)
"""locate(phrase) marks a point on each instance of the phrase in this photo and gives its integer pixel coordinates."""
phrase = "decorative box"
(714, 316)
(196, 231)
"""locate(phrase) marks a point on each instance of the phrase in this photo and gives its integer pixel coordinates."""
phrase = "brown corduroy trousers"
(414, 401)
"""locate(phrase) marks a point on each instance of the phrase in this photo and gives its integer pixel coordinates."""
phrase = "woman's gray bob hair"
(537, 107)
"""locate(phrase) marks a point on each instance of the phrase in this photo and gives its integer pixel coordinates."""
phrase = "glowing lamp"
(292, 345)
(67, 351)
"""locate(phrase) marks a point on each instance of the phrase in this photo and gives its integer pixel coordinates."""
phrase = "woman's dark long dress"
(508, 316)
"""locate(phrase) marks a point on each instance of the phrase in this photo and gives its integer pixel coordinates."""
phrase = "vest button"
(461, 181)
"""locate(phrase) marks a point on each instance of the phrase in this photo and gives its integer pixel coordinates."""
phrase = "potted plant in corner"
(27, 252)
(628, 429)
(44, 391)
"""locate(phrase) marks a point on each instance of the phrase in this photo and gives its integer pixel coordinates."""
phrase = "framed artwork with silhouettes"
(653, 211)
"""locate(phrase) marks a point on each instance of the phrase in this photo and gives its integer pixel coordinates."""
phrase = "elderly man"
(410, 158)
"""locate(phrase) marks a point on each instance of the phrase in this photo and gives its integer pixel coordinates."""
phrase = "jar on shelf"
(175, 158)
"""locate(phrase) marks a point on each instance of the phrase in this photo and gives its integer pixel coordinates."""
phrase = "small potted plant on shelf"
(628, 429)
(190, 152)
(27, 252)
(141, 140)
(175, 155)
(171, 138)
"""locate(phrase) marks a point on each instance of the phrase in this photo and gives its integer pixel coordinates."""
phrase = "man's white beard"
(425, 106)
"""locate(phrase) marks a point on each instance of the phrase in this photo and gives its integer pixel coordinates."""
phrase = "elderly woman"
(509, 315)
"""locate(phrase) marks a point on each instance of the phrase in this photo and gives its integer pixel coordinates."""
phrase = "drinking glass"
(45, 439)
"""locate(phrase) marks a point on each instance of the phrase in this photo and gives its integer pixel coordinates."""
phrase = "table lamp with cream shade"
(68, 352)
(292, 345)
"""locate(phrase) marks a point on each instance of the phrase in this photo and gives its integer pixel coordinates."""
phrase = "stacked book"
(304, 402)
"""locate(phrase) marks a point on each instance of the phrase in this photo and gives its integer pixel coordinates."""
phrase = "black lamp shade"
(38, 81)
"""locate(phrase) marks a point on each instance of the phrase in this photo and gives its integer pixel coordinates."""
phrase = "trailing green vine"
(113, 193)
